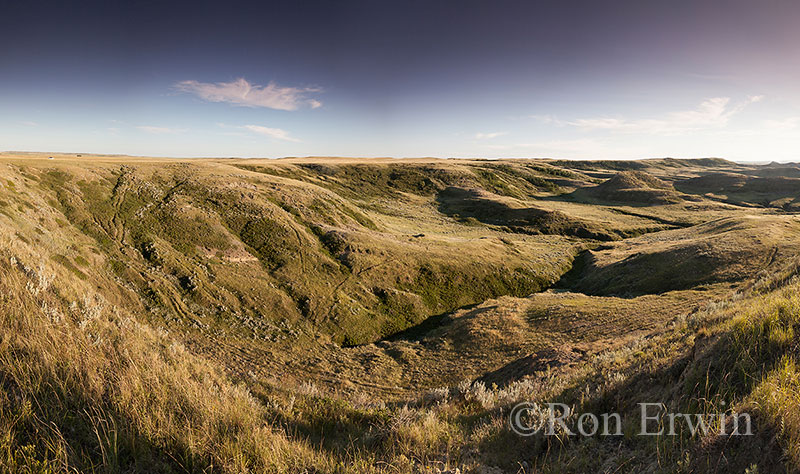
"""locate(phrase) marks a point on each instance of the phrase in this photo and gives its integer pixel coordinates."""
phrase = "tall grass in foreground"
(766, 343)
(87, 388)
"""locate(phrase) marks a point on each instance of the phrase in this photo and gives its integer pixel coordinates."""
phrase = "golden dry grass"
(329, 315)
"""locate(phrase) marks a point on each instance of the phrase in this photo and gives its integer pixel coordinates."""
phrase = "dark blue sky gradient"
(427, 72)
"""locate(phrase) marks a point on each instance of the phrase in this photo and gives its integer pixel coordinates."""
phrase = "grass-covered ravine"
(323, 256)
(336, 315)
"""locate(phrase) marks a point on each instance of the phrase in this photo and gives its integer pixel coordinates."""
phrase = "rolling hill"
(379, 315)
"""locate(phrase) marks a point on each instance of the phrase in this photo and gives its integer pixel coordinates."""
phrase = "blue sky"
(612, 79)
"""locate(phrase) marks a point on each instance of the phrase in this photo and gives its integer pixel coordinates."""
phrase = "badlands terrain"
(318, 315)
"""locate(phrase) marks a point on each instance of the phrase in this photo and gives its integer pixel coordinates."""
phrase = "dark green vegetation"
(335, 315)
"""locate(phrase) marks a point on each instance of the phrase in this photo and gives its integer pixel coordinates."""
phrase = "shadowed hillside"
(636, 188)
(508, 213)
(766, 189)
(723, 251)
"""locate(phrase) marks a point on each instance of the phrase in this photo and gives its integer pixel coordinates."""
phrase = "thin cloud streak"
(275, 133)
(713, 113)
(242, 93)
(489, 135)
(559, 146)
(159, 130)
(789, 123)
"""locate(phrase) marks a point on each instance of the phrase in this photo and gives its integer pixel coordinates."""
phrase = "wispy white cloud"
(488, 135)
(547, 119)
(276, 133)
(159, 130)
(243, 93)
(712, 113)
(29, 123)
(782, 125)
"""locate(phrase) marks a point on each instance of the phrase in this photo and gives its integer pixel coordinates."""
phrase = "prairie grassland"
(337, 315)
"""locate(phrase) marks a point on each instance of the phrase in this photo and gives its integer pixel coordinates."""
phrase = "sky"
(564, 79)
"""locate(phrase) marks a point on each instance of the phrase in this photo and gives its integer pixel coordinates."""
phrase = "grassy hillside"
(194, 241)
(337, 315)
(634, 187)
